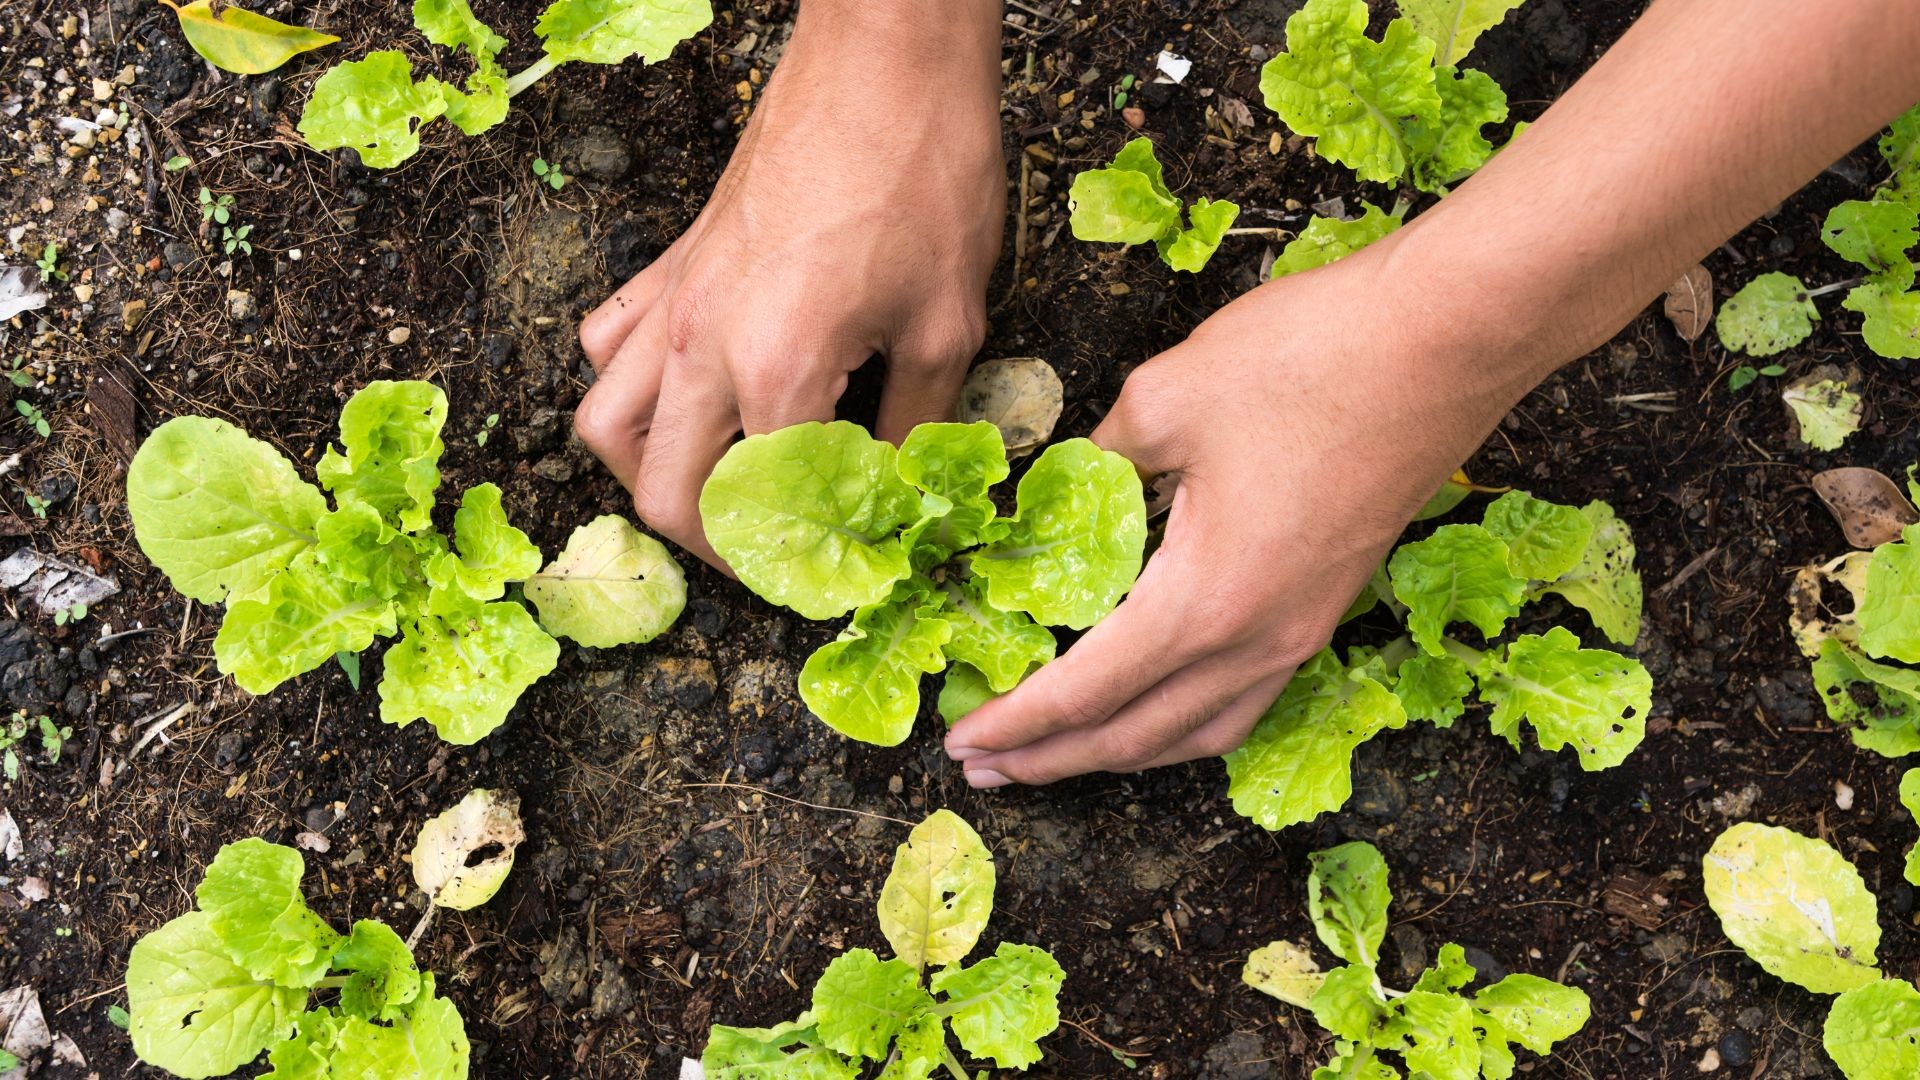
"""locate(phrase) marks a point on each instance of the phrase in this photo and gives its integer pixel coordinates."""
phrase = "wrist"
(902, 37)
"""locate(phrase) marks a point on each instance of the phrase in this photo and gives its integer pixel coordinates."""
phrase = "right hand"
(860, 214)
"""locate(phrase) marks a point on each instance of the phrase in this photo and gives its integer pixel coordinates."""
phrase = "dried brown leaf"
(1690, 303)
(1020, 395)
(1870, 508)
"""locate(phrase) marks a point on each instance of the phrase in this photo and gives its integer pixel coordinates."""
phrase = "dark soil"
(699, 847)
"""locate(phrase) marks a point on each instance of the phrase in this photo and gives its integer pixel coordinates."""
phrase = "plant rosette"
(229, 521)
(825, 519)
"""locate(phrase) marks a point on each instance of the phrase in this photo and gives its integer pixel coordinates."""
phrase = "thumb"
(1137, 426)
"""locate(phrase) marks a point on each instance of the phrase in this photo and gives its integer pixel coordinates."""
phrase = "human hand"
(860, 214)
(1307, 422)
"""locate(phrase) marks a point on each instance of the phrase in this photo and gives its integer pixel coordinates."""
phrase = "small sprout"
(217, 210)
(52, 737)
(550, 173)
(17, 373)
(1744, 375)
(36, 504)
(34, 416)
(72, 614)
(175, 164)
(117, 1016)
(49, 263)
(350, 663)
(235, 239)
(486, 431)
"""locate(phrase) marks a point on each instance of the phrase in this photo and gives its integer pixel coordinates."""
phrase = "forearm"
(1706, 114)
(893, 39)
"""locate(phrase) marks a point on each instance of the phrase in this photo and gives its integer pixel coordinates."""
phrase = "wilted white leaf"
(53, 584)
(462, 857)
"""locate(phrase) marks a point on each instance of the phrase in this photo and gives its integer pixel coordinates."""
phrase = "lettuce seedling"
(1860, 656)
(375, 105)
(1797, 908)
(229, 521)
(1326, 239)
(212, 989)
(1775, 311)
(1128, 203)
(933, 909)
(1436, 1030)
(1297, 763)
(825, 519)
(1396, 110)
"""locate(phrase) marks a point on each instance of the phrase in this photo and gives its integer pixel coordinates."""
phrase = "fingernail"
(986, 778)
(964, 753)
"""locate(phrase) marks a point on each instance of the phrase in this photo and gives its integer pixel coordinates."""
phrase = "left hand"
(1308, 421)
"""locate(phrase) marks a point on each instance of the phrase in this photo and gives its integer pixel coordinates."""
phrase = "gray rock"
(179, 256)
(1239, 1056)
(599, 152)
(538, 433)
(554, 467)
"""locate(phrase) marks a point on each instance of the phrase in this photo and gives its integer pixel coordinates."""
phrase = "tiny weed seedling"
(13, 731)
(18, 375)
(210, 991)
(71, 614)
(218, 210)
(234, 239)
(228, 520)
(1437, 1030)
(33, 416)
(49, 263)
(1120, 92)
(1128, 203)
(1800, 910)
(1880, 235)
(486, 429)
(826, 520)
(375, 105)
(53, 738)
(1297, 763)
(35, 503)
(177, 162)
(550, 173)
(1743, 376)
(933, 909)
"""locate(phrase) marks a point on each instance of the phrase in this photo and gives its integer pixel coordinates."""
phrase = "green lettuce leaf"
(1001, 1007)
(1454, 25)
(1544, 540)
(358, 547)
(1001, 645)
(1873, 1031)
(383, 976)
(252, 898)
(463, 676)
(218, 512)
(1604, 584)
(391, 431)
(861, 1002)
(734, 1053)
(1076, 543)
(1191, 248)
(809, 517)
(1593, 699)
(1795, 906)
(1347, 898)
(374, 106)
(1335, 84)
(1449, 146)
(1534, 1012)
(1768, 315)
(1125, 203)
(452, 23)
(1349, 1004)
(1326, 239)
(1878, 703)
(1434, 1035)
(610, 31)
(963, 690)
(611, 585)
(491, 552)
(1888, 613)
(1459, 574)
(960, 462)
(920, 1048)
(1900, 147)
(1433, 689)
(1297, 763)
(427, 1042)
(1450, 971)
(1876, 235)
(305, 616)
(866, 683)
(1285, 971)
(308, 1053)
(1892, 328)
(939, 894)
(194, 1012)
(1910, 798)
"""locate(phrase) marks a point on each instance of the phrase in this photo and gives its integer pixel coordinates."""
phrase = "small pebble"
(1736, 1048)
(398, 335)
(1842, 795)
(1135, 116)
(1709, 1061)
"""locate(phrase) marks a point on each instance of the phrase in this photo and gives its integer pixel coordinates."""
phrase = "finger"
(617, 411)
(1135, 737)
(1223, 734)
(797, 392)
(1124, 655)
(608, 326)
(923, 382)
(693, 424)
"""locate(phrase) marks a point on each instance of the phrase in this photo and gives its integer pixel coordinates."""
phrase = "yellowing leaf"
(1284, 970)
(939, 894)
(242, 42)
(444, 863)
(1794, 905)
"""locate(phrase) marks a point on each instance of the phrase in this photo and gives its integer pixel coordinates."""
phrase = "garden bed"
(698, 846)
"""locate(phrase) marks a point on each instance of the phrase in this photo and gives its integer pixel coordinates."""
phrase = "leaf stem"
(1464, 653)
(531, 74)
(1834, 288)
(331, 982)
(953, 1064)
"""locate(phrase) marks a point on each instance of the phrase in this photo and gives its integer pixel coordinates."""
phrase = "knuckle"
(689, 315)
(1077, 708)
(1218, 743)
(594, 422)
(597, 337)
(1129, 748)
(660, 511)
